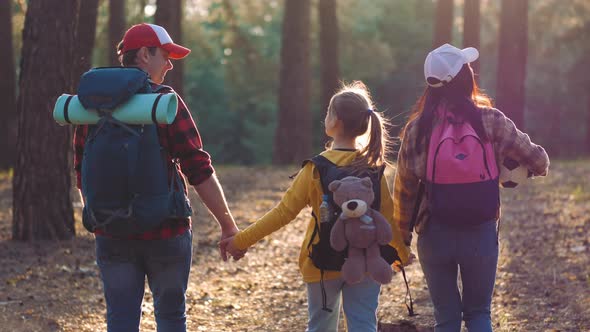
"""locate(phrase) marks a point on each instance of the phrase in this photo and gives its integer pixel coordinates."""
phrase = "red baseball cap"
(151, 35)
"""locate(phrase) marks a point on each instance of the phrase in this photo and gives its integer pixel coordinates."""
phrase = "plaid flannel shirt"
(182, 141)
(507, 140)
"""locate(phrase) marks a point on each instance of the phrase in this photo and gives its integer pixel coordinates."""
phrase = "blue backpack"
(125, 179)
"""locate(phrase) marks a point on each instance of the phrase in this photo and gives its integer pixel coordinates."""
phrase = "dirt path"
(543, 279)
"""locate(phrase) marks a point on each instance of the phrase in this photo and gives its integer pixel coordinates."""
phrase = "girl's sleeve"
(513, 143)
(293, 201)
(405, 190)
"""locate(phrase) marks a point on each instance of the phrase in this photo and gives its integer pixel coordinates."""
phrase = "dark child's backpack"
(461, 174)
(125, 171)
(323, 256)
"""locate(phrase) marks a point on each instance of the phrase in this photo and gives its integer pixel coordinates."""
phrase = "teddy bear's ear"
(367, 182)
(334, 185)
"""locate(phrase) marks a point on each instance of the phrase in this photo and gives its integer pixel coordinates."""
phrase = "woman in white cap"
(449, 153)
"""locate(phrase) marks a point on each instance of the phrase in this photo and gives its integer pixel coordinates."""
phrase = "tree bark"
(293, 132)
(471, 28)
(330, 72)
(8, 118)
(42, 204)
(443, 26)
(512, 59)
(85, 36)
(169, 16)
(116, 28)
(588, 123)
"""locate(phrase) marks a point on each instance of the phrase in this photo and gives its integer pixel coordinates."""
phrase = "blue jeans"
(124, 265)
(359, 302)
(473, 250)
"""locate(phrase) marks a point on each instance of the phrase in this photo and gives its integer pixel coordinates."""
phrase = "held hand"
(226, 233)
(227, 246)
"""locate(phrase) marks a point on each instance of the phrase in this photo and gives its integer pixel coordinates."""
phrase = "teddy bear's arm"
(384, 232)
(338, 236)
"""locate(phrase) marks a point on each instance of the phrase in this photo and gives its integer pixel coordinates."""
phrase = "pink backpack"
(461, 174)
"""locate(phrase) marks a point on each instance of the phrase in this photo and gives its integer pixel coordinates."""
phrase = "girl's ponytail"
(354, 107)
(378, 147)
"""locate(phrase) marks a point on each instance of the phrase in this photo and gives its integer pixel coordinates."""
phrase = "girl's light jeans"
(359, 302)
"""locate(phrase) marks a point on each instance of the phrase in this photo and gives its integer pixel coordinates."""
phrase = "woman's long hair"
(461, 96)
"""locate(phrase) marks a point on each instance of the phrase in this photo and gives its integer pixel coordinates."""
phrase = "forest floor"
(543, 280)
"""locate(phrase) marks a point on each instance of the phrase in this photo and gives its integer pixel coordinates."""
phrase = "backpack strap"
(410, 307)
(323, 165)
(162, 89)
(159, 88)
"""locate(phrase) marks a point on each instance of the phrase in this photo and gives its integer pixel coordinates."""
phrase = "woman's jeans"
(359, 302)
(124, 265)
(473, 251)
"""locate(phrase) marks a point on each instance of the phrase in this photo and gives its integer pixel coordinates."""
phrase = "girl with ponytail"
(359, 142)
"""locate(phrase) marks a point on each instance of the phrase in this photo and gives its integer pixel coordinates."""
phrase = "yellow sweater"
(306, 190)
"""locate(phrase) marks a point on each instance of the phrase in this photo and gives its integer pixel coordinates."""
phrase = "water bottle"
(325, 209)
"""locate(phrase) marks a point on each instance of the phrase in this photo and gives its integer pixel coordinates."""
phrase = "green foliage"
(384, 46)
(231, 77)
(557, 81)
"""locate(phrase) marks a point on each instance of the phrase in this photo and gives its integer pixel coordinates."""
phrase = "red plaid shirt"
(182, 141)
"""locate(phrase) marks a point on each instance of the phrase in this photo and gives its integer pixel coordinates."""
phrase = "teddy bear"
(362, 229)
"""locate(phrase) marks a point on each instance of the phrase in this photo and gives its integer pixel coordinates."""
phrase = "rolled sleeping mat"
(139, 109)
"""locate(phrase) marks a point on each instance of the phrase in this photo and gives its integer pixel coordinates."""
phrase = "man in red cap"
(162, 254)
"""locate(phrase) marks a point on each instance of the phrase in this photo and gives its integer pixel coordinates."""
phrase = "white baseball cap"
(445, 62)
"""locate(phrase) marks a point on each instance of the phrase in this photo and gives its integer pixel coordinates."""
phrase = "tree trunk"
(588, 123)
(512, 58)
(471, 28)
(443, 26)
(42, 202)
(85, 36)
(169, 16)
(328, 52)
(293, 132)
(116, 28)
(8, 121)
